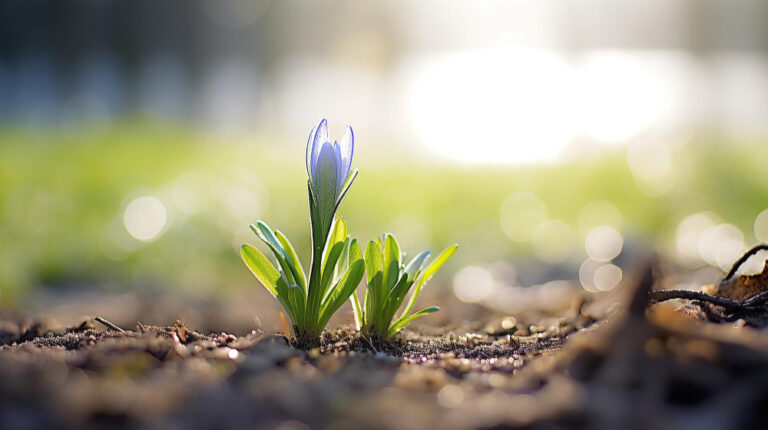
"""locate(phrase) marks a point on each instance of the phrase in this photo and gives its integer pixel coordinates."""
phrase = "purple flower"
(328, 164)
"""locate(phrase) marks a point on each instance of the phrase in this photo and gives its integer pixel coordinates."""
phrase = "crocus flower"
(328, 164)
(337, 265)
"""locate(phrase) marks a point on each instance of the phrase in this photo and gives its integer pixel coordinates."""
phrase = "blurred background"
(556, 141)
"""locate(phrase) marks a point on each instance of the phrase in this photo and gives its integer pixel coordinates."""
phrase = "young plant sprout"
(389, 281)
(310, 302)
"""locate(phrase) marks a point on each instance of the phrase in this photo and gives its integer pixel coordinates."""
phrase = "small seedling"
(310, 302)
(389, 281)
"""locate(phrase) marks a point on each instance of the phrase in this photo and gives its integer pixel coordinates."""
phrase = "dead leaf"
(744, 286)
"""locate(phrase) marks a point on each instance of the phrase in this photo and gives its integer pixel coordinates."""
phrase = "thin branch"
(743, 259)
(109, 324)
(712, 314)
(754, 303)
(758, 300)
(664, 295)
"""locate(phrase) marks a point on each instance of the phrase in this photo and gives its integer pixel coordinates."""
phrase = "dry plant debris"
(657, 367)
(735, 298)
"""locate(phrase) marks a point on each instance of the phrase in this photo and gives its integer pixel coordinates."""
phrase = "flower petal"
(324, 176)
(339, 171)
(347, 149)
(310, 140)
(321, 137)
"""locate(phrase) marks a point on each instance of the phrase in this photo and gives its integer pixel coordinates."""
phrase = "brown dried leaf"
(181, 330)
(744, 286)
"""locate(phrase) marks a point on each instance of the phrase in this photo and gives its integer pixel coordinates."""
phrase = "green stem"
(313, 309)
(320, 228)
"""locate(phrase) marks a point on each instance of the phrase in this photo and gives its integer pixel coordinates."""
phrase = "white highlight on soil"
(450, 396)
(587, 275)
(607, 277)
(596, 276)
(145, 218)
(603, 243)
(472, 284)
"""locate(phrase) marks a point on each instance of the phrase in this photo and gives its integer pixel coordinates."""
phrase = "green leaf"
(290, 300)
(268, 236)
(346, 186)
(354, 255)
(372, 259)
(357, 310)
(391, 261)
(414, 266)
(315, 223)
(397, 296)
(427, 274)
(326, 275)
(339, 232)
(341, 264)
(402, 322)
(293, 259)
(261, 268)
(354, 252)
(390, 305)
(341, 291)
(437, 264)
(372, 289)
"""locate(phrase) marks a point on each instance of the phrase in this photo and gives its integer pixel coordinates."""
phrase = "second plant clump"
(389, 281)
(338, 264)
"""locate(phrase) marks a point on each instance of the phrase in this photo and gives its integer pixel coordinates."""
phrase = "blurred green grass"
(63, 193)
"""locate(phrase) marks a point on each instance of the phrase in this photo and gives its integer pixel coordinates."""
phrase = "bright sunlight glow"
(523, 105)
(491, 106)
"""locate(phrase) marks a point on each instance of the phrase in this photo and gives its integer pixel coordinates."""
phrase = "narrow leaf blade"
(427, 274)
(414, 266)
(260, 267)
(397, 296)
(391, 261)
(288, 299)
(373, 262)
(266, 234)
(326, 275)
(341, 291)
(293, 259)
(347, 184)
(357, 310)
(402, 322)
(354, 252)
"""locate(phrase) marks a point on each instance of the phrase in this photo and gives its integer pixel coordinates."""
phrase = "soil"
(621, 366)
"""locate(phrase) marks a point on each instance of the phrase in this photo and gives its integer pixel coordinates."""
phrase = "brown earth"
(628, 367)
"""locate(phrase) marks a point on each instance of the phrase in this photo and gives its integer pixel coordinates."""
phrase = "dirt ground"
(611, 365)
